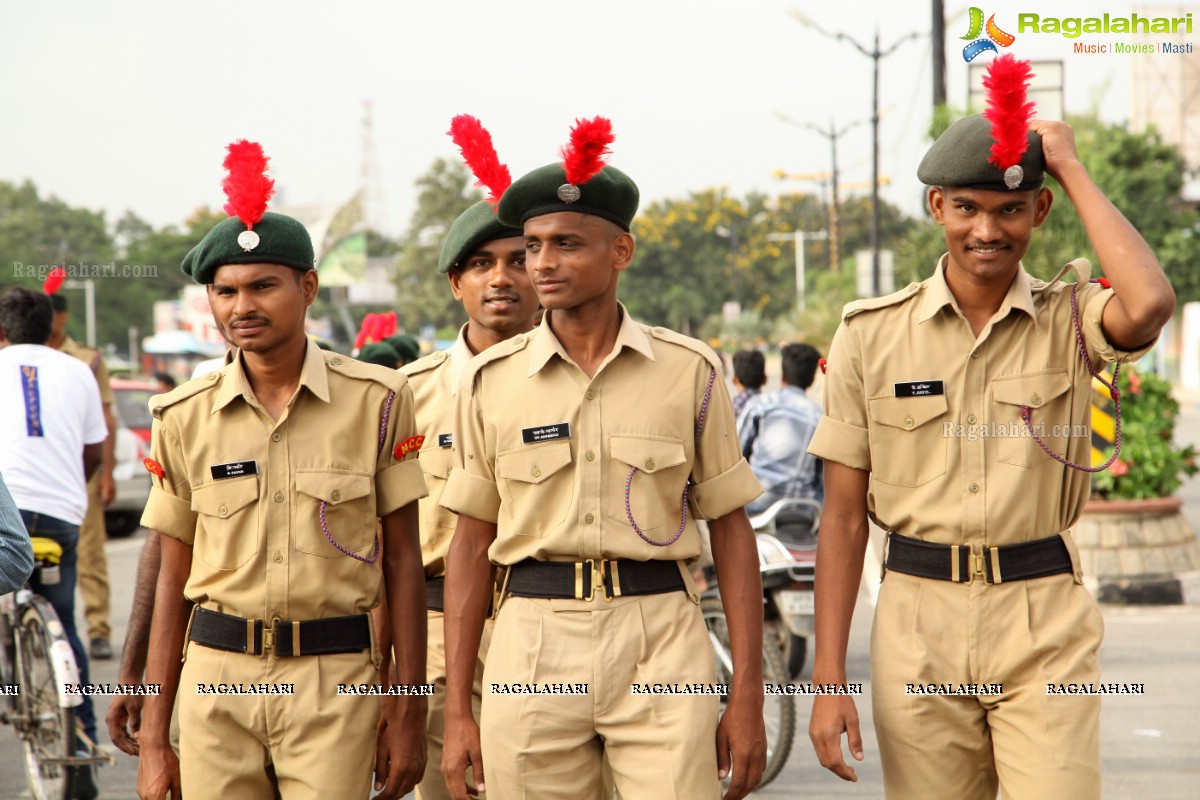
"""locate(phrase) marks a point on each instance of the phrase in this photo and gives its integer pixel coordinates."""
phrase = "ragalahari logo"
(995, 36)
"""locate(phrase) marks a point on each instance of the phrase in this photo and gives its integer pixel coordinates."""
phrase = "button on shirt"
(528, 415)
(434, 381)
(935, 475)
(259, 541)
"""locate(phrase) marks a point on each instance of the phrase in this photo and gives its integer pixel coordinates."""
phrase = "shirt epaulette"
(508, 347)
(695, 345)
(425, 364)
(182, 392)
(876, 303)
(393, 379)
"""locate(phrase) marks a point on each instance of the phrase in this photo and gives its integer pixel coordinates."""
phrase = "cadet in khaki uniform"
(485, 262)
(269, 477)
(584, 452)
(93, 563)
(924, 397)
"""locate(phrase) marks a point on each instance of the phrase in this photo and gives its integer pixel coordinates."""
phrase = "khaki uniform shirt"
(953, 462)
(545, 452)
(255, 526)
(95, 360)
(434, 381)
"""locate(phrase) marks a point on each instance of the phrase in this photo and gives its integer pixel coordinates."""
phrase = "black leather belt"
(435, 589)
(312, 637)
(581, 579)
(1010, 562)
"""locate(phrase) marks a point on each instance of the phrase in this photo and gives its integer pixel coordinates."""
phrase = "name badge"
(445, 440)
(235, 469)
(920, 389)
(546, 433)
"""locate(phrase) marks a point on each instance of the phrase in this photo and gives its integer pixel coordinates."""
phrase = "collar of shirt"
(313, 375)
(545, 344)
(460, 356)
(938, 294)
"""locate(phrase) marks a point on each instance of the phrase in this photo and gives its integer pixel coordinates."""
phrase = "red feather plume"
(247, 185)
(584, 155)
(54, 280)
(1005, 84)
(364, 329)
(480, 155)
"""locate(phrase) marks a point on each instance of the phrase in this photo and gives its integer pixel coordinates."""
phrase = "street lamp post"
(875, 54)
(731, 232)
(799, 237)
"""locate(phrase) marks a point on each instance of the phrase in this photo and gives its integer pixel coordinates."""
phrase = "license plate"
(796, 602)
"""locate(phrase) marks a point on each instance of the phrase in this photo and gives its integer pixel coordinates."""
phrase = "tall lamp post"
(875, 54)
(831, 133)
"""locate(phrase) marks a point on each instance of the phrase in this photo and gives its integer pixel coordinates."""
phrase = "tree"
(423, 295)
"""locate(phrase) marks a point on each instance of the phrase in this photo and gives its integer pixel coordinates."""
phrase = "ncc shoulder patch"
(875, 303)
(695, 345)
(410, 445)
(153, 467)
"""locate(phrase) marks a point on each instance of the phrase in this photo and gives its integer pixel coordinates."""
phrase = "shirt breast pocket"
(1045, 392)
(660, 473)
(348, 514)
(908, 440)
(228, 523)
(533, 480)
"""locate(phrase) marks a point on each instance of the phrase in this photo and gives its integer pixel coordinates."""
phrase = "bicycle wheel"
(47, 728)
(779, 711)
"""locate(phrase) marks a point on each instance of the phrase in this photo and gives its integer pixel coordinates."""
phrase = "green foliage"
(1151, 465)
(698, 253)
(424, 295)
(134, 264)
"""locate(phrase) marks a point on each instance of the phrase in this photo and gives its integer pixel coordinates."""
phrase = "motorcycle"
(787, 553)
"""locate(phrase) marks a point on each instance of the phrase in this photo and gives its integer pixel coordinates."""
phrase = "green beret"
(58, 302)
(281, 240)
(478, 224)
(380, 353)
(960, 158)
(406, 347)
(610, 194)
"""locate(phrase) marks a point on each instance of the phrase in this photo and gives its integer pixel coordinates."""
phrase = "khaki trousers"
(321, 744)
(1023, 635)
(433, 785)
(548, 746)
(93, 566)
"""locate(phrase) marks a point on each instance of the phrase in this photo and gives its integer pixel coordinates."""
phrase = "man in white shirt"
(51, 439)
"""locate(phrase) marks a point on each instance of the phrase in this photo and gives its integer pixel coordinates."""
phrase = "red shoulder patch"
(153, 467)
(409, 445)
(821, 363)
(1105, 283)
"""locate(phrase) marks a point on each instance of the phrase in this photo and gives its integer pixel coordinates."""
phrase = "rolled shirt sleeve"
(169, 507)
(1092, 304)
(398, 477)
(841, 435)
(721, 477)
(471, 489)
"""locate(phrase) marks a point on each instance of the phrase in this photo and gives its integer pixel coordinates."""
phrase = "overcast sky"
(129, 105)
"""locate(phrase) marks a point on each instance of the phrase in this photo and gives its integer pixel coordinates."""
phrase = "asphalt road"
(1150, 744)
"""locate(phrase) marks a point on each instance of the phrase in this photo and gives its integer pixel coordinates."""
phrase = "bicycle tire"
(48, 727)
(780, 727)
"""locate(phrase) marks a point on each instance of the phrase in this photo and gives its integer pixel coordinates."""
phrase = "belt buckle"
(269, 631)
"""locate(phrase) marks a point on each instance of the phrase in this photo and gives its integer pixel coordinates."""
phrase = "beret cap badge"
(569, 193)
(248, 240)
(1013, 176)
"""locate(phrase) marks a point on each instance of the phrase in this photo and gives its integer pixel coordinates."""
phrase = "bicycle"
(779, 711)
(35, 653)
